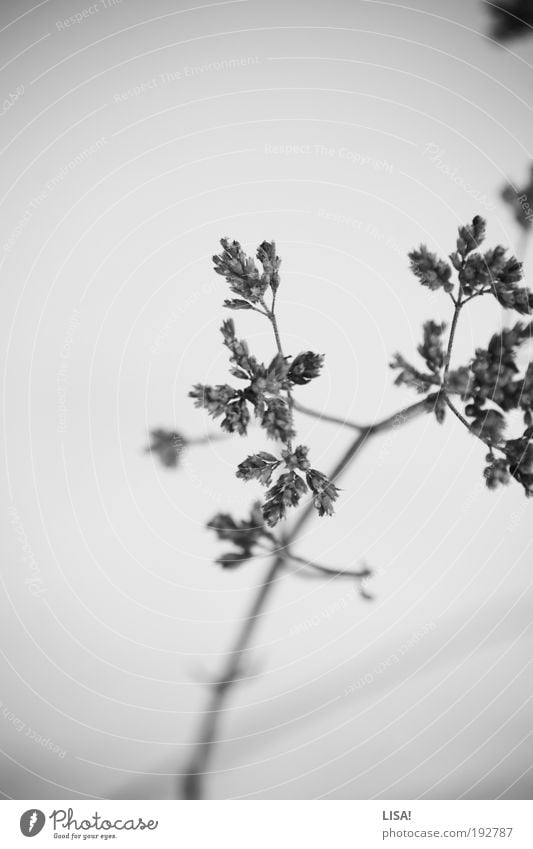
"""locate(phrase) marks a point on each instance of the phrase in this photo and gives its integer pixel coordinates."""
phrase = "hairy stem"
(192, 782)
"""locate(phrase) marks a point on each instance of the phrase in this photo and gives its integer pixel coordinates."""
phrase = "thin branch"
(488, 442)
(270, 314)
(451, 338)
(193, 779)
(326, 417)
(328, 570)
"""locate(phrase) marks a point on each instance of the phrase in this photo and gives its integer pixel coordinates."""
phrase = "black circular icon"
(32, 822)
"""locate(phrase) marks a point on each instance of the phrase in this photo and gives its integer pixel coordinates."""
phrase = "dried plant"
(481, 394)
(510, 18)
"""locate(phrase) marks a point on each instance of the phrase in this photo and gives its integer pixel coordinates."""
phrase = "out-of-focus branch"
(192, 781)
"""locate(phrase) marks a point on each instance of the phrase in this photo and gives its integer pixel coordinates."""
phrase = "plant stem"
(459, 303)
(328, 570)
(326, 417)
(451, 338)
(192, 781)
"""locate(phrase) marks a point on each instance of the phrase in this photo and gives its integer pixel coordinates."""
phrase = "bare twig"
(360, 574)
(326, 417)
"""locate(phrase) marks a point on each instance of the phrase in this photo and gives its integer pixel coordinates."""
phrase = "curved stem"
(192, 781)
(328, 570)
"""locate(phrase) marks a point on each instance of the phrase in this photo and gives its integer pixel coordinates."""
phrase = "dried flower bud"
(286, 492)
(240, 271)
(520, 455)
(456, 260)
(277, 420)
(214, 399)
(496, 473)
(471, 236)
(240, 354)
(276, 375)
(266, 254)
(432, 349)
(258, 467)
(237, 417)
(324, 492)
(489, 425)
(510, 19)
(298, 458)
(459, 381)
(305, 367)
(432, 272)
(410, 376)
(167, 445)
(499, 274)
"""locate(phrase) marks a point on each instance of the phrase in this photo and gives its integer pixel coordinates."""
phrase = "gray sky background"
(349, 132)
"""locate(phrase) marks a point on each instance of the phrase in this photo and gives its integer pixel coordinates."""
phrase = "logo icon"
(32, 822)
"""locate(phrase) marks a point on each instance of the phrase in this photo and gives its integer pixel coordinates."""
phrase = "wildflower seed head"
(266, 254)
(286, 492)
(432, 272)
(432, 349)
(277, 420)
(325, 493)
(471, 236)
(258, 467)
(240, 272)
(298, 458)
(305, 367)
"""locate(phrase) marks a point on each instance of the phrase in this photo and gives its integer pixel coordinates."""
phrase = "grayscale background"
(349, 131)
